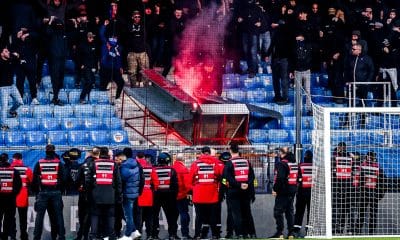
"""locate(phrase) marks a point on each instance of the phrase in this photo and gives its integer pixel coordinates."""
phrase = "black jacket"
(136, 39)
(302, 56)
(87, 53)
(359, 69)
(281, 185)
(6, 72)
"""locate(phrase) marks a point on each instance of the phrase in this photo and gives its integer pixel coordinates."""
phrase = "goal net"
(356, 172)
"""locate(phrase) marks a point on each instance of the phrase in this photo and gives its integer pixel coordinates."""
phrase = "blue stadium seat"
(104, 110)
(230, 81)
(78, 138)
(41, 111)
(396, 137)
(286, 110)
(43, 97)
(74, 96)
(338, 121)
(12, 123)
(92, 124)
(65, 111)
(28, 124)
(45, 84)
(375, 122)
(288, 123)
(62, 95)
(119, 137)
(113, 123)
(69, 66)
(69, 82)
(45, 69)
(49, 124)
(271, 124)
(258, 135)
(15, 139)
(99, 97)
(252, 83)
(339, 136)
(99, 138)
(2, 143)
(24, 111)
(57, 138)
(305, 136)
(236, 94)
(278, 136)
(86, 110)
(71, 124)
(361, 138)
(266, 79)
(35, 138)
(307, 122)
(257, 95)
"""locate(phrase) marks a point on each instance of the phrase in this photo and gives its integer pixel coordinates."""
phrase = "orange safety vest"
(104, 171)
(49, 171)
(6, 179)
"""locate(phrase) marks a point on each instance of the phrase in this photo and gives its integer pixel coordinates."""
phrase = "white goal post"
(356, 172)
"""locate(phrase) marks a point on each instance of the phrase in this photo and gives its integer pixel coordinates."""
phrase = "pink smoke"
(201, 46)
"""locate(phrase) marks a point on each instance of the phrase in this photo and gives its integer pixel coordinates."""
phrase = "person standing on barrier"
(165, 196)
(85, 198)
(205, 175)
(225, 157)
(359, 68)
(22, 201)
(11, 185)
(132, 182)
(239, 176)
(341, 187)
(372, 183)
(303, 197)
(48, 183)
(284, 190)
(182, 201)
(145, 200)
(105, 190)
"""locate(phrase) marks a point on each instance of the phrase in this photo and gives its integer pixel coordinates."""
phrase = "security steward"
(11, 184)
(205, 175)
(48, 183)
(106, 190)
(284, 190)
(226, 157)
(239, 176)
(22, 198)
(303, 197)
(145, 200)
(373, 189)
(85, 200)
(165, 196)
(341, 166)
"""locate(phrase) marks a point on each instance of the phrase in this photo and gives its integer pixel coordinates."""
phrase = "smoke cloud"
(200, 53)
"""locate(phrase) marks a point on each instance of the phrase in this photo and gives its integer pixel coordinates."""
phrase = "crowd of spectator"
(296, 37)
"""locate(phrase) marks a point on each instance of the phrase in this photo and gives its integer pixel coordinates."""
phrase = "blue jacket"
(132, 178)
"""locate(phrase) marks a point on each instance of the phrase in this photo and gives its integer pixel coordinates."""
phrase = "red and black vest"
(356, 176)
(49, 172)
(343, 168)
(293, 172)
(164, 177)
(370, 172)
(306, 170)
(241, 169)
(205, 173)
(104, 171)
(6, 179)
(22, 172)
(147, 177)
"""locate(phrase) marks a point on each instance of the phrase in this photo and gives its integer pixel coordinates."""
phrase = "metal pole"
(298, 111)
